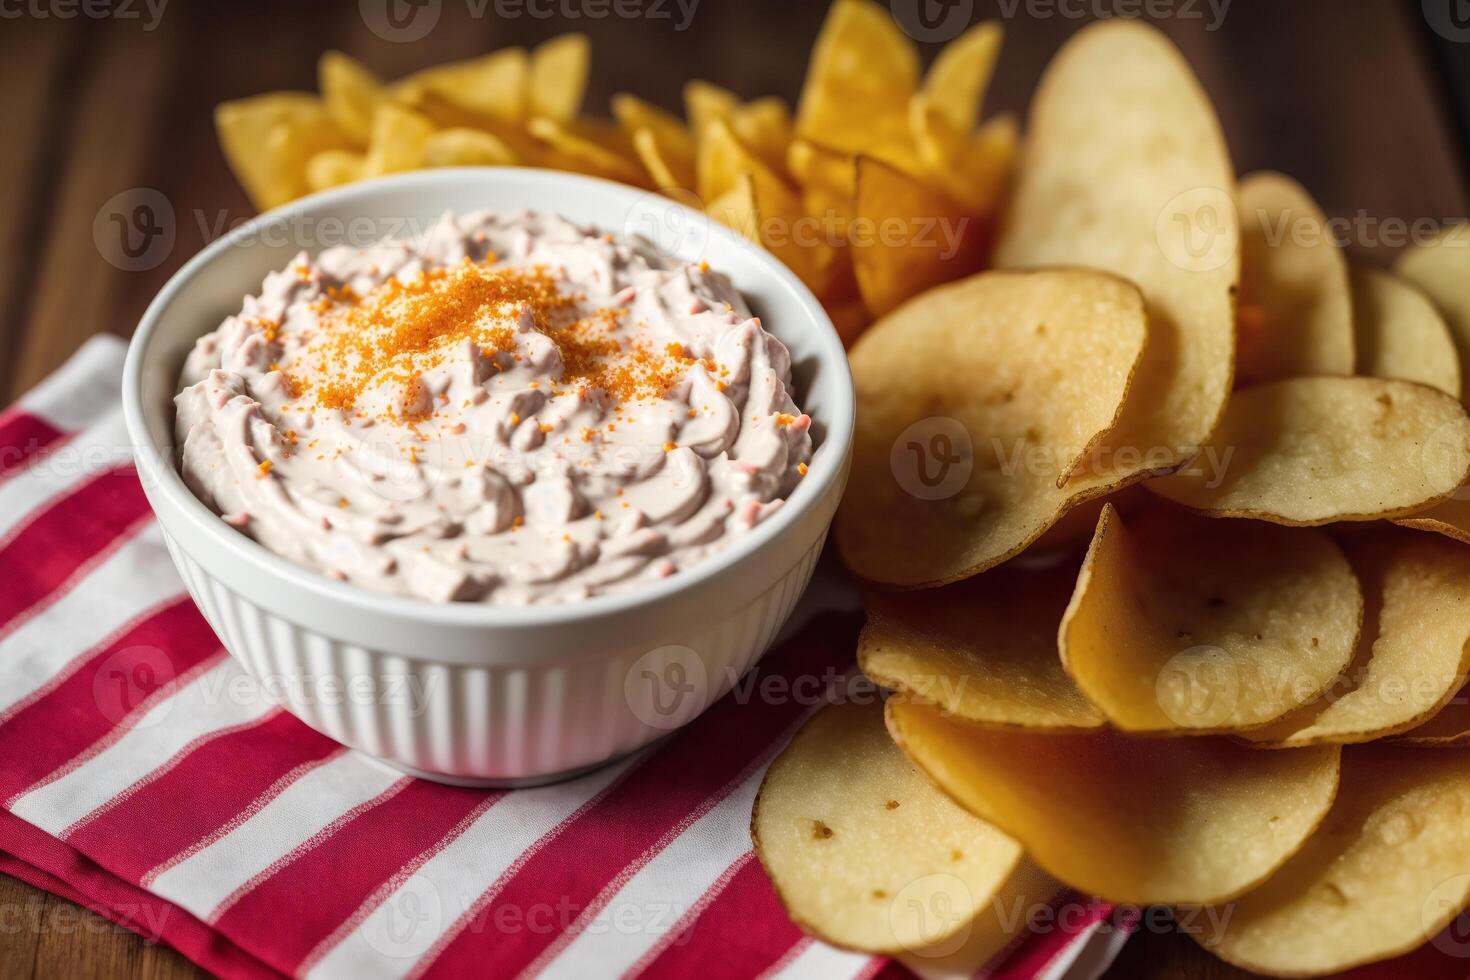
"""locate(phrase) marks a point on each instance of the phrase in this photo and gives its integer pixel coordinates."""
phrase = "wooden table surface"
(1346, 97)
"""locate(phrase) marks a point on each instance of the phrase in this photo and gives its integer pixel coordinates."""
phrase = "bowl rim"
(162, 476)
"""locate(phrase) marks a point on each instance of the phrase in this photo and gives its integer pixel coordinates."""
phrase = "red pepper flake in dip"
(408, 366)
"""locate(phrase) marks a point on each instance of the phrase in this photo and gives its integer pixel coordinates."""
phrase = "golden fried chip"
(1448, 517)
(399, 136)
(863, 850)
(1125, 170)
(1383, 875)
(704, 102)
(1296, 305)
(764, 125)
(664, 146)
(828, 180)
(984, 650)
(972, 400)
(446, 114)
(1184, 624)
(957, 81)
(1400, 334)
(333, 168)
(905, 238)
(1414, 650)
(592, 147)
(1449, 727)
(721, 156)
(268, 139)
(862, 71)
(1442, 269)
(495, 84)
(466, 148)
(972, 170)
(736, 208)
(1318, 450)
(1129, 819)
(558, 76)
(798, 241)
(352, 93)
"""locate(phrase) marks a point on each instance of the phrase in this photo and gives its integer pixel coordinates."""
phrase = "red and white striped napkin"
(145, 776)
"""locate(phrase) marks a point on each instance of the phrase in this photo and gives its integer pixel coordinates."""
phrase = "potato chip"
(558, 76)
(1318, 450)
(466, 148)
(593, 147)
(333, 168)
(495, 84)
(1449, 727)
(863, 850)
(268, 139)
(973, 399)
(664, 146)
(1383, 875)
(1125, 170)
(1129, 819)
(399, 136)
(1293, 282)
(1002, 920)
(351, 92)
(984, 650)
(1183, 624)
(909, 237)
(1400, 334)
(1448, 517)
(1414, 650)
(705, 102)
(956, 82)
(861, 73)
(1442, 269)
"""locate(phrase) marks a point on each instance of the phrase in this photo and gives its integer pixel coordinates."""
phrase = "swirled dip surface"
(511, 409)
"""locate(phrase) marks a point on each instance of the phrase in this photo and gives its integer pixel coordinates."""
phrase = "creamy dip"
(512, 409)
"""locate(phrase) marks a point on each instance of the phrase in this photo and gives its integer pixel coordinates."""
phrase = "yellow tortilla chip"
(764, 125)
(664, 146)
(972, 400)
(558, 76)
(1442, 269)
(1400, 334)
(399, 136)
(736, 208)
(1414, 650)
(861, 74)
(863, 850)
(1384, 874)
(1148, 821)
(1319, 450)
(466, 148)
(705, 102)
(1294, 280)
(828, 180)
(351, 92)
(984, 650)
(1183, 624)
(905, 238)
(333, 168)
(268, 139)
(973, 170)
(1125, 169)
(957, 81)
(592, 147)
(495, 84)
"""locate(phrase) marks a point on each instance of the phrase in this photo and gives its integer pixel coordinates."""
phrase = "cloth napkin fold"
(144, 775)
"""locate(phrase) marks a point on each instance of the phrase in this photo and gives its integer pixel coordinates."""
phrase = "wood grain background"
(1349, 97)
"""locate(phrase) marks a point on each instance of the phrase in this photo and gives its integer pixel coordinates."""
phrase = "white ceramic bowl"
(468, 692)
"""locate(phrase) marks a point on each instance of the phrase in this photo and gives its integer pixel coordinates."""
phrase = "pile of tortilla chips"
(1225, 671)
(880, 187)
